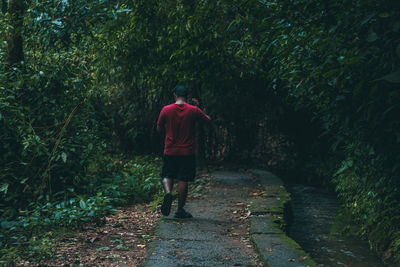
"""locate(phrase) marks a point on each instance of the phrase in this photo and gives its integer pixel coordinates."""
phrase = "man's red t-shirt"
(179, 120)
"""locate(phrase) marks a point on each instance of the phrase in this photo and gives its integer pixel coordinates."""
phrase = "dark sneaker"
(166, 205)
(182, 214)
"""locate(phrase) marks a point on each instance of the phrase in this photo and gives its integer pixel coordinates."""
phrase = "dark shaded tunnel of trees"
(308, 89)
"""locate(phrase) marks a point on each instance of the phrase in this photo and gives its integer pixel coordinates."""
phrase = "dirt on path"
(218, 233)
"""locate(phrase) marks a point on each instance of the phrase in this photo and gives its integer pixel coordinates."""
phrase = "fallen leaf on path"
(120, 246)
(103, 249)
(93, 239)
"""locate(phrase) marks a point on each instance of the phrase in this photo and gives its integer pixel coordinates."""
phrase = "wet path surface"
(314, 213)
(218, 233)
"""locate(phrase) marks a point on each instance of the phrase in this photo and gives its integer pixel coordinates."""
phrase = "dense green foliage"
(57, 163)
(295, 84)
(342, 61)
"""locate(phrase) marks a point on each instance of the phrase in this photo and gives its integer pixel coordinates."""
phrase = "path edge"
(151, 245)
(274, 226)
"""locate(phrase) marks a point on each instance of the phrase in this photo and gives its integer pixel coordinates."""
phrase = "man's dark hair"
(181, 91)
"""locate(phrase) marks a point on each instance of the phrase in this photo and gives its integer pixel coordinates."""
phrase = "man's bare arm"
(160, 129)
(204, 116)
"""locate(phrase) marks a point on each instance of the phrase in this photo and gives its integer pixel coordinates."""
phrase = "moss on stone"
(275, 229)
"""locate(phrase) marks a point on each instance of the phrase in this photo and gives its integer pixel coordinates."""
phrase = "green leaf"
(384, 15)
(82, 204)
(8, 224)
(345, 165)
(122, 247)
(4, 188)
(103, 249)
(393, 77)
(64, 157)
(372, 37)
(57, 215)
(124, 10)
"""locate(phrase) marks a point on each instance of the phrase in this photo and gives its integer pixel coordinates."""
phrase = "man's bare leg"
(168, 184)
(182, 194)
(168, 198)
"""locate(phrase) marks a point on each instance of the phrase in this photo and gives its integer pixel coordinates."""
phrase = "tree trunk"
(15, 53)
(4, 6)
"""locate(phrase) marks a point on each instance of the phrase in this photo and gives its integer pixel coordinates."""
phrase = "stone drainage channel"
(313, 213)
(267, 225)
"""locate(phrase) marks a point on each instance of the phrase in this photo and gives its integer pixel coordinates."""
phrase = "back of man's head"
(181, 91)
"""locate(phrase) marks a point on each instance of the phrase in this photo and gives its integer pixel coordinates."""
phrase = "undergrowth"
(117, 182)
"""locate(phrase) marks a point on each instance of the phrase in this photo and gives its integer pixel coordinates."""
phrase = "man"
(178, 121)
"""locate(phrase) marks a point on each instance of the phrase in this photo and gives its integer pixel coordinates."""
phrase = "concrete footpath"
(238, 222)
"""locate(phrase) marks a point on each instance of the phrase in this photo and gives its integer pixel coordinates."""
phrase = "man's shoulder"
(173, 106)
(168, 106)
(191, 106)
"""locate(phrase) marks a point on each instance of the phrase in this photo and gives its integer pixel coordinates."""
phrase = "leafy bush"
(132, 180)
(373, 205)
(127, 180)
(28, 235)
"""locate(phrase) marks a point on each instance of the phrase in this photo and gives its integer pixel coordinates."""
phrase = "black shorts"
(182, 168)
